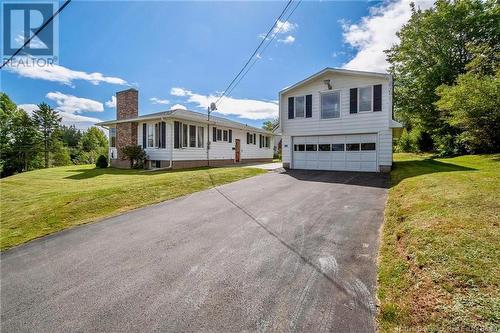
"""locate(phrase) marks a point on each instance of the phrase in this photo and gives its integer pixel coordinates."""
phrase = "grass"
(439, 259)
(41, 202)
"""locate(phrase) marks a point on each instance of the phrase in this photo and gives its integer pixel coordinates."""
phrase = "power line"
(36, 33)
(254, 52)
(261, 52)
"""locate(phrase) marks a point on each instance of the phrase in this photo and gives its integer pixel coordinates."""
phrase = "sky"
(184, 54)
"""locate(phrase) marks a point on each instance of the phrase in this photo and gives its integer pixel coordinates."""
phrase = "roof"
(182, 114)
(337, 71)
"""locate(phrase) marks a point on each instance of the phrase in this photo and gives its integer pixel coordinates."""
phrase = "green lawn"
(439, 265)
(41, 202)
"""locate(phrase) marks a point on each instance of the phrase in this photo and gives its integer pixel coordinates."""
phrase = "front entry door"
(237, 150)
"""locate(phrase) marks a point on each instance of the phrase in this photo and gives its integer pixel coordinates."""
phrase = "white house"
(182, 139)
(338, 119)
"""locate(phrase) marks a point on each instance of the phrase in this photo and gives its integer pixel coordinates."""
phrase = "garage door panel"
(359, 158)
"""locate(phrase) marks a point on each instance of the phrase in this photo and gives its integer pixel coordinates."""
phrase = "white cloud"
(178, 92)
(242, 108)
(156, 100)
(288, 40)
(377, 32)
(79, 121)
(35, 43)
(178, 106)
(72, 104)
(281, 28)
(112, 102)
(26, 67)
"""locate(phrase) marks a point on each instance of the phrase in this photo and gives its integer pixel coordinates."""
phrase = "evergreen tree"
(47, 120)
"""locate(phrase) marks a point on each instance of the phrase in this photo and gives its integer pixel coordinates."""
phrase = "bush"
(135, 154)
(102, 162)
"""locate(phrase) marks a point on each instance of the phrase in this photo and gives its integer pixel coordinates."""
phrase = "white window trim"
(295, 106)
(152, 126)
(321, 93)
(371, 101)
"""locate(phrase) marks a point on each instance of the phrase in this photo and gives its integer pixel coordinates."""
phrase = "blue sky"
(185, 53)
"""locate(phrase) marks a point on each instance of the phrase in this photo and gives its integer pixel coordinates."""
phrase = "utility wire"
(254, 52)
(261, 52)
(36, 33)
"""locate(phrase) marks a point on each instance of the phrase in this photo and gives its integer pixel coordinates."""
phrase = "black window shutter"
(353, 101)
(163, 134)
(230, 135)
(254, 139)
(260, 140)
(248, 138)
(214, 134)
(377, 97)
(144, 130)
(290, 108)
(309, 103)
(177, 139)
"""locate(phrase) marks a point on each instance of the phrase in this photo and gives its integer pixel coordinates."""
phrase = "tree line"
(39, 140)
(446, 76)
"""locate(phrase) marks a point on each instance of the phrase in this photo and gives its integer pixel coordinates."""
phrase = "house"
(183, 139)
(338, 119)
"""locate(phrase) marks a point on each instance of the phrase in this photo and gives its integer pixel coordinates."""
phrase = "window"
(219, 135)
(330, 105)
(249, 138)
(184, 135)
(201, 136)
(230, 135)
(365, 99)
(299, 106)
(311, 147)
(299, 147)
(224, 135)
(192, 136)
(368, 146)
(112, 137)
(338, 147)
(267, 141)
(324, 147)
(352, 146)
(151, 134)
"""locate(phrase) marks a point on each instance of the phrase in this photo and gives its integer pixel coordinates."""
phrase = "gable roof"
(182, 114)
(335, 71)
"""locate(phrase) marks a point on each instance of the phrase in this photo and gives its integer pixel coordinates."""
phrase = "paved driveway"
(278, 252)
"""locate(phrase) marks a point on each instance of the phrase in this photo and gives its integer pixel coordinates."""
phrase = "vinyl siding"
(218, 150)
(347, 123)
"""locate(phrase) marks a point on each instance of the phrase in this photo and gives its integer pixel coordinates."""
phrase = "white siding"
(156, 153)
(357, 123)
(218, 150)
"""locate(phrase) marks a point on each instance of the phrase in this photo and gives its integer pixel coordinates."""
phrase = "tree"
(135, 154)
(92, 144)
(436, 46)
(269, 125)
(473, 106)
(47, 120)
(60, 153)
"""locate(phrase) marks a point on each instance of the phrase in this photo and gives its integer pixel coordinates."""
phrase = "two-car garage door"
(335, 152)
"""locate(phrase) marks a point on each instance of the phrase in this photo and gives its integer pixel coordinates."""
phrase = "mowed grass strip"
(439, 264)
(37, 203)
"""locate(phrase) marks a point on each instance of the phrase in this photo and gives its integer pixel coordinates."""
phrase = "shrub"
(135, 154)
(102, 162)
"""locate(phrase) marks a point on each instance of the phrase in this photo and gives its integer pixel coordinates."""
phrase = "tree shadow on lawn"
(92, 173)
(408, 169)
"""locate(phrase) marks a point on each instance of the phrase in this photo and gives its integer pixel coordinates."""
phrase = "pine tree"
(47, 120)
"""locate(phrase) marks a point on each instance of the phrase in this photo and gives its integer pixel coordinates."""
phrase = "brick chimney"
(127, 107)
(127, 104)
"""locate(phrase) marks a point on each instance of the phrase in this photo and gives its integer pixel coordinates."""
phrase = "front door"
(237, 150)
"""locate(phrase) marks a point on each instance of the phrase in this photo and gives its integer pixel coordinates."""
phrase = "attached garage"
(335, 152)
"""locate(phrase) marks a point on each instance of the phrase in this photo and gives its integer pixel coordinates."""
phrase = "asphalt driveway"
(279, 252)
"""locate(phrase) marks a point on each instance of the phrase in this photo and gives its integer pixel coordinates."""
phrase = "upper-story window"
(300, 106)
(365, 99)
(330, 105)
(112, 137)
